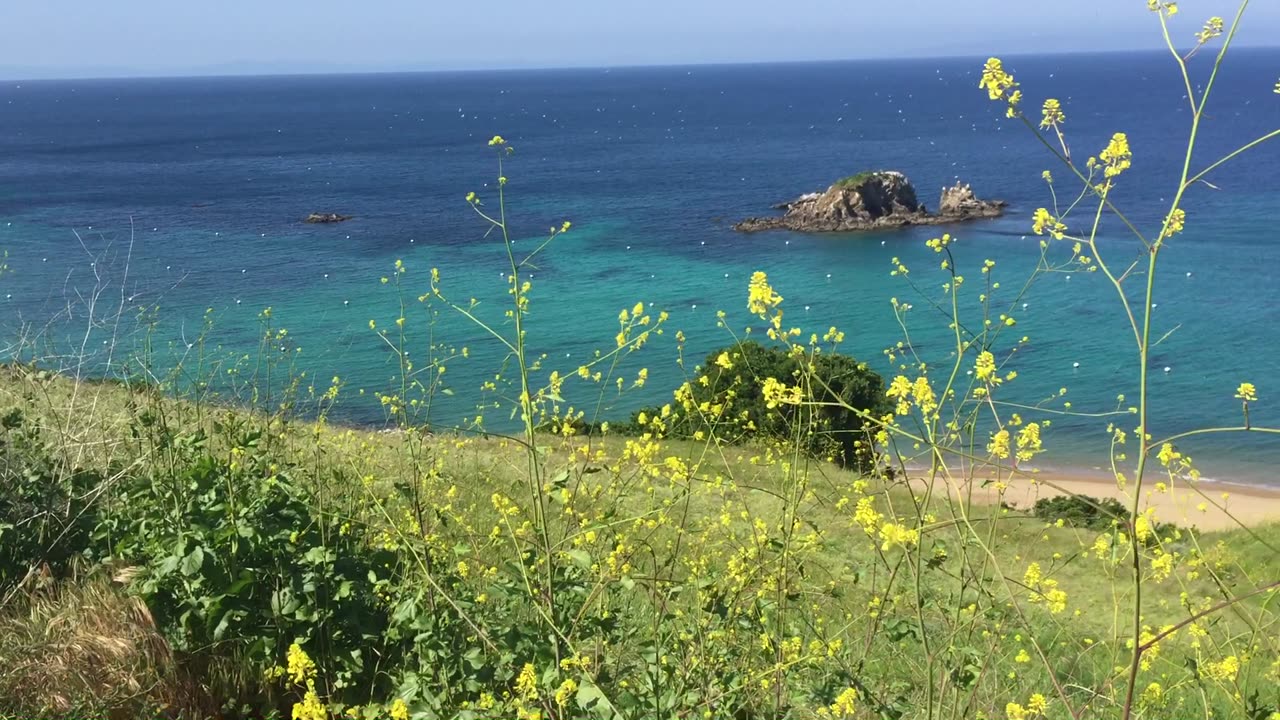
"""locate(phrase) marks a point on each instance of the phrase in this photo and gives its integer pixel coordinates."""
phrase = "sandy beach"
(1205, 505)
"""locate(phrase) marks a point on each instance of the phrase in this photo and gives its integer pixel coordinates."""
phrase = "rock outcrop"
(873, 201)
(327, 218)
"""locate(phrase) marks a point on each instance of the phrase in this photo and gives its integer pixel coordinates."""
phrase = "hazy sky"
(79, 38)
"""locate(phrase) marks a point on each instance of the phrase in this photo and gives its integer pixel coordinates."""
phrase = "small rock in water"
(1075, 365)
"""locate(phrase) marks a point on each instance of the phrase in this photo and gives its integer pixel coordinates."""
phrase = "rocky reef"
(318, 218)
(873, 201)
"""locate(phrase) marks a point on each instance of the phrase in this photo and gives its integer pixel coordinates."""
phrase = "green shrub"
(854, 181)
(829, 431)
(1082, 511)
(46, 511)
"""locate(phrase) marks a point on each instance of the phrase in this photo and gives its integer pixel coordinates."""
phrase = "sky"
(92, 38)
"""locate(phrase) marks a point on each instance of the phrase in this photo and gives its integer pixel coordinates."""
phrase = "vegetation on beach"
(789, 536)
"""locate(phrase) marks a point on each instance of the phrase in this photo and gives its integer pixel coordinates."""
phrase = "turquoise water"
(188, 194)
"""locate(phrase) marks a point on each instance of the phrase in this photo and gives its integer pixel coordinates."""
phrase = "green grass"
(843, 572)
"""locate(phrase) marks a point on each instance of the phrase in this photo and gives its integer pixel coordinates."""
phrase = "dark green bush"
(824, 428)
(1082, 511)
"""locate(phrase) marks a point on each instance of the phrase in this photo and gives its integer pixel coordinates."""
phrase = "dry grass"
(81, 648)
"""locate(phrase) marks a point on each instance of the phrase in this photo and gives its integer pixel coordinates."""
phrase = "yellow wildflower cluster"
(1036, 707)
(1000, 85)
(1247, 392)
(907, 393)
(1043, 221)
(1051, 115)
(761, 297)
(845, 704)
(1175, 223)
(866, 515)
(1029, 441)
(894, 535)
(1224, 670)
(778, 393)
(1117, 155)
(299, 666)
(1212, 29)
(985, 368)
(311, 708)
(998, 445)
(1044, 589)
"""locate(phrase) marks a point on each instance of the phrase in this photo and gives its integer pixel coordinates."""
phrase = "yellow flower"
(1117, 155)
(1043, 221)
(497, 140)
(895, 535)
(399, 711)
(865, 514)
(900, 388)
(845, 703)
(723, 361)
(1175, 223)
(565, 691)
(1168, 454)
(1014, 711)
(1032, 576)
(760, 296)
(1051, 114)
(1014, 98)
(300, 667)
(1029, 441)
(777, 393)
(1152, 696)
(1225, 670)
(1212, 29)
(1247, 392)
(922, 394)
(995, 80)
(1022, 657)
(999, 445)
(310, 708)
(527, 682)
(985, 368)
(1037, 704)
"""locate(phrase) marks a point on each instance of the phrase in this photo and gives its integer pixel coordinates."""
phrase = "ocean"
(188, 195)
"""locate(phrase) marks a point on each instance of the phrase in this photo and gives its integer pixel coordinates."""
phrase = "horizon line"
(211, 74)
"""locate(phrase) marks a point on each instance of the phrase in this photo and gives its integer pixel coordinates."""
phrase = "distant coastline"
(11, 73)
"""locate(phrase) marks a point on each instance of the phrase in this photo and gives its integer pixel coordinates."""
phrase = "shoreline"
(1208, 505)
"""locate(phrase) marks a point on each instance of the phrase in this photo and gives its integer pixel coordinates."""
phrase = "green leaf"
(588, 694)
(192, 563)
(581, 558)
(474, 657)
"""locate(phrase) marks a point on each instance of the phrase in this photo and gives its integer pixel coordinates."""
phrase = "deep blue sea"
(188, 194)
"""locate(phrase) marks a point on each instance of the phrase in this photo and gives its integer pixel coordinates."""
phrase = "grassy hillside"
(688, 578)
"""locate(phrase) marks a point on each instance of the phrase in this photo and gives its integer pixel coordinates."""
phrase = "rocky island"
(320, 218)
(873, 201)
